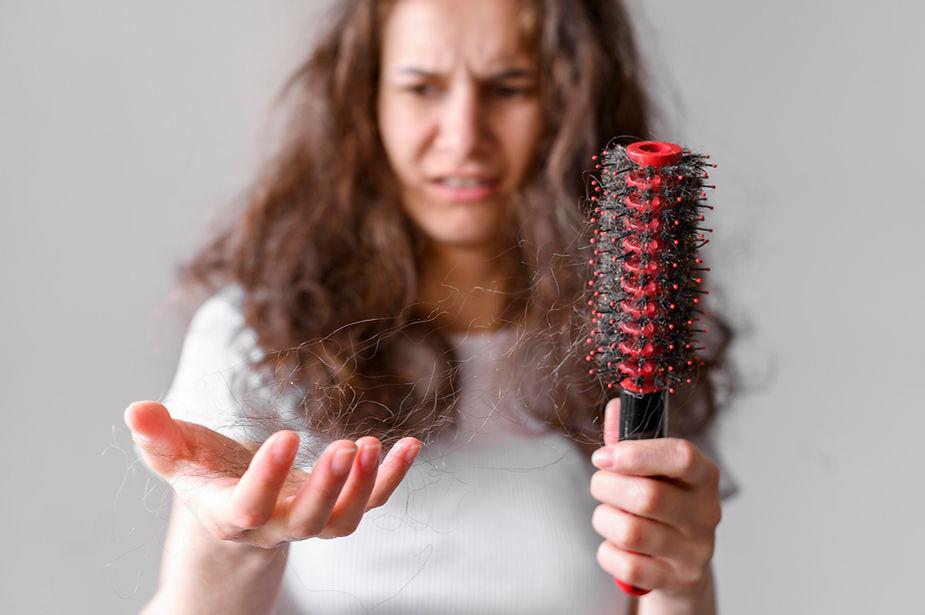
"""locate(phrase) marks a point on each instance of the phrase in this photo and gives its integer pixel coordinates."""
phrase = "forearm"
(202, 574)
(249, 587)
(701, 601)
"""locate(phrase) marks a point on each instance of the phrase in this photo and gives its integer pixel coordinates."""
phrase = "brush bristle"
(646, 275)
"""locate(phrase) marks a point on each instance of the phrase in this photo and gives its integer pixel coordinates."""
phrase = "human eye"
(512, 90)
(507, 91)
(421, 90)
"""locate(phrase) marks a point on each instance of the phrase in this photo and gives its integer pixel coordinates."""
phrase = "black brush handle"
(644, 416)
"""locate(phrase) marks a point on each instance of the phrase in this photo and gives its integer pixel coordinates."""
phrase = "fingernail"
(342, 461)
(602, 459)
(279, 451)
(369, 457)
(411, 452)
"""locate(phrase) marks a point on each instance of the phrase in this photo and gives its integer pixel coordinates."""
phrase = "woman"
(407, 271)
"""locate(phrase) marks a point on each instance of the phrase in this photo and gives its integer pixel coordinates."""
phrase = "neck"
(465, 288)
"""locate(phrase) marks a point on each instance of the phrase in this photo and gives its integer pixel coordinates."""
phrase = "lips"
(463, 182)
(465, 188)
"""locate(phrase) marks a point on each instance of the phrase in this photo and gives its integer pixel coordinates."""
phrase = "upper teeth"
(460, 182)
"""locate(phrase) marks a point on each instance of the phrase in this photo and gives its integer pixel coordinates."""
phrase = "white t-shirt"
(491, 518)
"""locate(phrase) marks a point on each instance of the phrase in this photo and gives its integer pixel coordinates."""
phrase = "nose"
(461, 124)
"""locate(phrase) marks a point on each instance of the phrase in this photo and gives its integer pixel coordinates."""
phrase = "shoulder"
(210, 386)
(220, 317)
(216, 384)
(218, 339)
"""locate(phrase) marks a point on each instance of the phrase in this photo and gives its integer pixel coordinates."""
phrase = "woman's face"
(459, 114)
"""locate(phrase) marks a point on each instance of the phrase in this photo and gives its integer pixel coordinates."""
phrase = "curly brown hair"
(328, 262)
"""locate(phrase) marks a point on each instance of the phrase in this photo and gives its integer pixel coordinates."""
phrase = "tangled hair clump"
(327, 261)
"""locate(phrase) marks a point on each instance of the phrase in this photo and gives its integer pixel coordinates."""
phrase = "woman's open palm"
(252, 494)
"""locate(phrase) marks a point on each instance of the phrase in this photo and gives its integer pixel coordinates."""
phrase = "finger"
(638, 534)
(646, 497)
(152, 427)
(311, 506)
(157, 435)
(393, 470)
(166, 441)
(350, 506)
(673, 458)
(254, 498)
(637, 569)
(612, 421)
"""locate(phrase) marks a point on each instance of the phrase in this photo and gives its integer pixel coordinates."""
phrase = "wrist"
(259, 557)
(699, 599)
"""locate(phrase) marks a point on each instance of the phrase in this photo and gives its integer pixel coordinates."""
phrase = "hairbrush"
(647, 201)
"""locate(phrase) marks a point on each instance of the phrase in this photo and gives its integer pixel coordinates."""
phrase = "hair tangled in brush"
(328, 262)
(647, 276)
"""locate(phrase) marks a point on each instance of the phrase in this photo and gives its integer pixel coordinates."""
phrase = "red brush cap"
(632, 590)
(654, 153)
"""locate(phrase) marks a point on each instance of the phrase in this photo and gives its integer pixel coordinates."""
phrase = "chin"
(461, 231)
(462, 225)
(453, 238)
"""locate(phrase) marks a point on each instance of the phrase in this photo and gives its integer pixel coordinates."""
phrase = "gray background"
(125, 127)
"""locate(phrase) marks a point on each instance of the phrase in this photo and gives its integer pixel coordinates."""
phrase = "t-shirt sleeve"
(215, 385)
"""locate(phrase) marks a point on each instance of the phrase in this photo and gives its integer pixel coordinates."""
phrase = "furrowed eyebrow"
(416, 72)
(509, 73)
(513, 73)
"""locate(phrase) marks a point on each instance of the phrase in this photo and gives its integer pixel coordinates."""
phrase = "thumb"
(612, 422)
(156, 434)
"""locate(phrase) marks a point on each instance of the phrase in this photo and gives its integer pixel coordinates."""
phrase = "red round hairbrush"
(646, 278)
